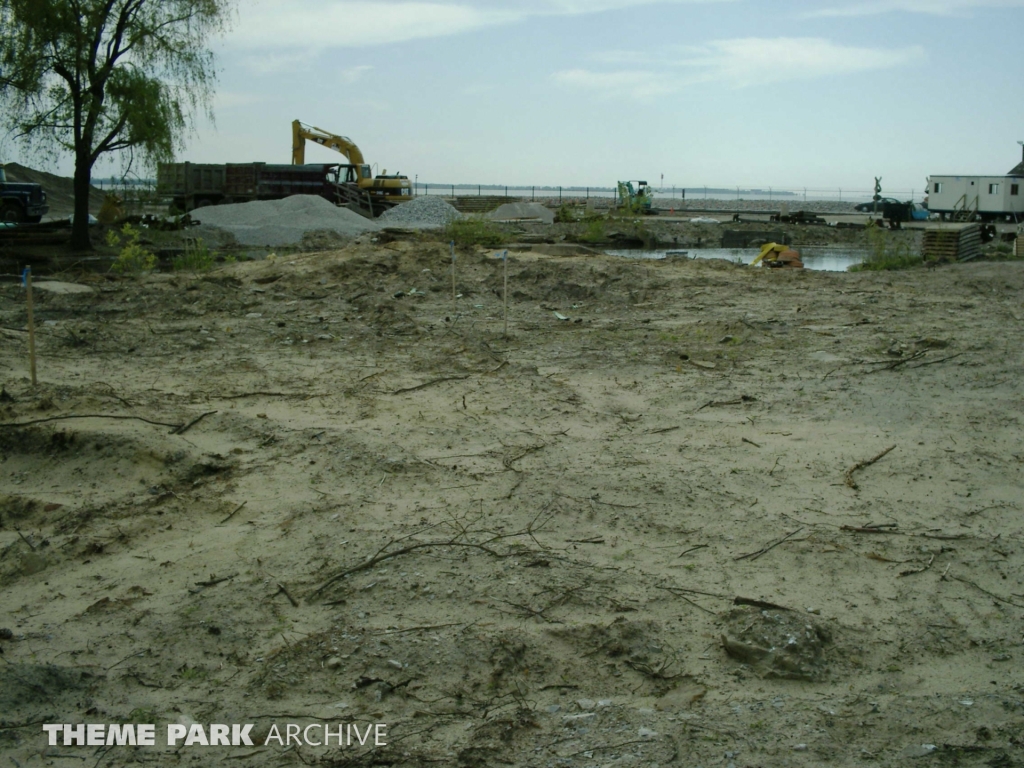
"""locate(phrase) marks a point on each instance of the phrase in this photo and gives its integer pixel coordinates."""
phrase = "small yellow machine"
(775, 255)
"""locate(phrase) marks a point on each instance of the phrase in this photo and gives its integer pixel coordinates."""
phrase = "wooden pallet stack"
(1018, 246)
(960, 244)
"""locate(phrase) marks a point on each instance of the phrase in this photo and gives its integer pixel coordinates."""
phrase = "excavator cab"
(636, 199)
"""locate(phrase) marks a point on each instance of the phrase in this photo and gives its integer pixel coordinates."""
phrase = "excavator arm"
(301, 132)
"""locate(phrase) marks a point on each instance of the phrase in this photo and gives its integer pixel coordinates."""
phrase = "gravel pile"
(516, 211)
(420, 213)
(283, 222)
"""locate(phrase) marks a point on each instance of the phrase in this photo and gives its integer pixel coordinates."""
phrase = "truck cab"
(21, 203)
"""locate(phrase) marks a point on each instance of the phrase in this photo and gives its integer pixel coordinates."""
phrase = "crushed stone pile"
(420, 213)
(284, 222)
(510, 211)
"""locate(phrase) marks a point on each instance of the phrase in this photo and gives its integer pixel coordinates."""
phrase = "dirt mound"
(322, 489)
(60, 190)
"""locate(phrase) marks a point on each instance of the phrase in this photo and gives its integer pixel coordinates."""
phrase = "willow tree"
(99, 77)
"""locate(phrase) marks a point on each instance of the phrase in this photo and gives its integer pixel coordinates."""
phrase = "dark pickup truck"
(21, 203)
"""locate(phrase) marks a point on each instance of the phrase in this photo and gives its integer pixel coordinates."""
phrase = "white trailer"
(989, 197)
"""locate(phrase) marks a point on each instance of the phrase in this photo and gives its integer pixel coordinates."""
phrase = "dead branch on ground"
(871, 528)
(759, 604)
(462, 536)
(509, 460)
(718, 403)
(88, 416)
(993, 595)
(430, 383)
(767, 547)
(185, 428)
(861, 464)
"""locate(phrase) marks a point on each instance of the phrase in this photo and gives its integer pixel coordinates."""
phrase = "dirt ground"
(649, 534)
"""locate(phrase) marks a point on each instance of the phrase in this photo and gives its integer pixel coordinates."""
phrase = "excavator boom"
(342, 144)
(356, 184)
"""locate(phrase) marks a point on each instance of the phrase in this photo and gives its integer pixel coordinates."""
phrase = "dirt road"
(662, 531)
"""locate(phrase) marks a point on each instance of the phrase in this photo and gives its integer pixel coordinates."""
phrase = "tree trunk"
(80, 228)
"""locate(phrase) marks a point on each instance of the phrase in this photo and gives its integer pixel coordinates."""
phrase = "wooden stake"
(504, 293)
(31, 325)
(453, 280)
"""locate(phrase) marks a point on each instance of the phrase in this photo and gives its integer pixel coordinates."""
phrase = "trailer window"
(993, 189)
(1014, 189)
(938, 187)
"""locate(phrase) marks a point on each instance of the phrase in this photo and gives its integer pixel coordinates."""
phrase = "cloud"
(757, 61)
(638, 84)
(316, 25)
(275, 62)
(352, 74)
(739, 62)
(276, 24)
(223, 100)
(930, 7)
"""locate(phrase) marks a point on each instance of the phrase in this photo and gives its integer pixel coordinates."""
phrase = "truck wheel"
(12, 213)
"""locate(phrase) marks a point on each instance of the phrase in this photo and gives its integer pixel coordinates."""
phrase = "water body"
(663, 197)
(828, 259)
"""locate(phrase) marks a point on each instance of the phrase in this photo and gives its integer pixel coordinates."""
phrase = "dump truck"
(196, 185)
(21, 203)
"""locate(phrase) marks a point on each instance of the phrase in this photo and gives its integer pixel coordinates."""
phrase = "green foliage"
(636, 206)
(197, 257)
(1002, 252)
(566, 214)
(884, 253)
(474, 231)
(134, 259)
(192, 673)
(93, 77)
(594, 231)
(141, 715)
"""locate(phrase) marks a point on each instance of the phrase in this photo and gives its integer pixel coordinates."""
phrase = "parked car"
(869, 207)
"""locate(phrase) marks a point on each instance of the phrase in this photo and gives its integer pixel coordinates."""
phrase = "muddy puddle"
(827, 259)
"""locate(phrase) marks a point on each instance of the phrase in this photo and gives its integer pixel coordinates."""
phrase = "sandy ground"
(649, 534)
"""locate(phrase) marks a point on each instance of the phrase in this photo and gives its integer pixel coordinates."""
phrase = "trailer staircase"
(963, 211)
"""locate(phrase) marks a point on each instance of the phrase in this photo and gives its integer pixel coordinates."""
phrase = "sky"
(820, 94)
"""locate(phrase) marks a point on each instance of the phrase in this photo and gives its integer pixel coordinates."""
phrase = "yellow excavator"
(356, 182)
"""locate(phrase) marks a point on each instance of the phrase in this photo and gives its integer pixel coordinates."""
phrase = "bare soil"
(658, 532)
